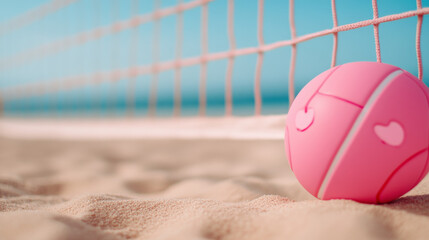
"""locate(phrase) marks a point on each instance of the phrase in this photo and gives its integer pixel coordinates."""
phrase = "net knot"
(133, 72)
(180, 8)
(204, 58)
(155, 68)
(97, 78)
(261, 49)
(231, 54)
(117, 27)
(177, 64)
(81, 38)
(115, 75)
(135, 21)
(157, 15)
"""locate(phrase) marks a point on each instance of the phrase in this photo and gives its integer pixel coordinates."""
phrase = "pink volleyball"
(360, 131)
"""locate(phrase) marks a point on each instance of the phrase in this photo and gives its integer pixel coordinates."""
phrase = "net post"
(293, 54)
(418, 41)
(376, 35)
(335, 44)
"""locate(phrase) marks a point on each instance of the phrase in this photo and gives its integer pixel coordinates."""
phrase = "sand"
(181, 189)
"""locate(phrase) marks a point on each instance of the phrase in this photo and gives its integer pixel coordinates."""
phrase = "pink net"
(157, 66)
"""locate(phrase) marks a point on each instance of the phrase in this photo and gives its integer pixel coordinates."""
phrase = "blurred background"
(44, 44)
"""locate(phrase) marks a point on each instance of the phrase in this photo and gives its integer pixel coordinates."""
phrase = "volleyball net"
(19, 94)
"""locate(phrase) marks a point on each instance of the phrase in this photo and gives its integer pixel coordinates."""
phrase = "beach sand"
(181, 189)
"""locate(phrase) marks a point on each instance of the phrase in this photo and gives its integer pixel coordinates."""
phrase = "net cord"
(418, 40)
(376, 35)
(76, 81)
(178, 71)
(231, 59)
(204, 60)
(335, 44)
(260, 59)
(155, 69)
(293, 44)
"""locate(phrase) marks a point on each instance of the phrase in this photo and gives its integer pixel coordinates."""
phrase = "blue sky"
(313, 57)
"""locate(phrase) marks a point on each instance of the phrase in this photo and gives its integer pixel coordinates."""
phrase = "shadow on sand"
(418, 204)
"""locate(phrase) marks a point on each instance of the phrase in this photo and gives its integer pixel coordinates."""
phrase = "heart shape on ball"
(304, 119)
(392, 134)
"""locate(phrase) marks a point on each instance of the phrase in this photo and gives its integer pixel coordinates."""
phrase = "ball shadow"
(418, 204)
